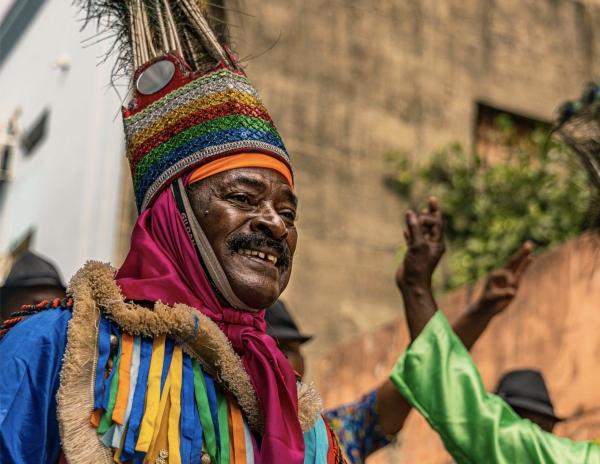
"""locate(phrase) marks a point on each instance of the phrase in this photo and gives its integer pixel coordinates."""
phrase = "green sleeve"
(438, 377)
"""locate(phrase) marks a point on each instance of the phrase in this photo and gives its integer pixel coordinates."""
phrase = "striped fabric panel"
(201, 414)
(210, 83)
(196, 119)
(152, 167)
(248, 145)
(173, 147)
(199, 105)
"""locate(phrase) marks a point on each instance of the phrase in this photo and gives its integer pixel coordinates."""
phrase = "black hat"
(280, 324)
(30, 270)
(526, 389)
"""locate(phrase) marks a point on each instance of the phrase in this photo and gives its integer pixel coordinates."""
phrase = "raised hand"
(498, 291)
(501, 284)
(425, 239)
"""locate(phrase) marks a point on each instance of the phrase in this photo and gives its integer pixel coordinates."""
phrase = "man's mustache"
(260, 240)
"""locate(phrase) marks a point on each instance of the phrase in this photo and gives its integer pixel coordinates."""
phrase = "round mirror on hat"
(156, 77)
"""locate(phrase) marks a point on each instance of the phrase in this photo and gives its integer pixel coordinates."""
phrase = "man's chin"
(258, 302)
(256, 283)
(258, 293)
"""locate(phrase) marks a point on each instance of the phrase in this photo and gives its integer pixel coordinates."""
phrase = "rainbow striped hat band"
(179, 120)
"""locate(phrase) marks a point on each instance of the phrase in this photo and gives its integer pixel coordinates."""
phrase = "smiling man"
(167, 359)
(248, 217)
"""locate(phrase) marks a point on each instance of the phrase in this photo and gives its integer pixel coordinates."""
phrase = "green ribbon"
(210, 438)
(106, 420)
(223, 424)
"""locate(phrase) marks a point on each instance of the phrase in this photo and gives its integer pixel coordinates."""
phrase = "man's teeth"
(260, 254)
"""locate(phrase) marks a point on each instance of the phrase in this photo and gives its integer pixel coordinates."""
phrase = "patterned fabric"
(211, 116)
(356, 425)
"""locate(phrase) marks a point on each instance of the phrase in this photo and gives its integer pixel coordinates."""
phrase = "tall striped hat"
(191, 103)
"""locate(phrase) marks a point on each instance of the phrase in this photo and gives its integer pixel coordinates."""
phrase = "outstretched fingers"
(434, 207)
(413, 231)
(436, 229)
(523, 267)
(502, 278)
(503, 294)
(518, 259)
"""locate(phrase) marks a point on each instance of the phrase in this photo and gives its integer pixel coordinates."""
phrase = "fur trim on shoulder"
(79, 440)
(95, 291)
(310, 405)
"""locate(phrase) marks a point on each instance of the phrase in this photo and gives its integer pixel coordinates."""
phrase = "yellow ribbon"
(160, 424)
(176, 374)
(153, 399)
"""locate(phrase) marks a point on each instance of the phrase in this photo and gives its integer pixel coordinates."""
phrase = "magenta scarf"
(162, 265)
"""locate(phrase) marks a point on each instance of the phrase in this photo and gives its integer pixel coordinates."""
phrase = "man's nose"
(269, 222)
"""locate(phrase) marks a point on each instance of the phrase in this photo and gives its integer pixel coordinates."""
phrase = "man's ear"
(197, 194)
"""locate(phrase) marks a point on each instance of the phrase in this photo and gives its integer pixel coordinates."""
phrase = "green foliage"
(537, 192)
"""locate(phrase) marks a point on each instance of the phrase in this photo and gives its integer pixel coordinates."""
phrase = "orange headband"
(243, 160)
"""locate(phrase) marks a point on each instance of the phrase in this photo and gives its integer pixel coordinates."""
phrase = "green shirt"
(438, 377)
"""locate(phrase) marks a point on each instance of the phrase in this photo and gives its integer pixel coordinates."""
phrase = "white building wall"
(67, 189)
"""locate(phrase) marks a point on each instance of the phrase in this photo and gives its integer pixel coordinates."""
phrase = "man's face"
(20, 296)
(248, 216)
(291, 350)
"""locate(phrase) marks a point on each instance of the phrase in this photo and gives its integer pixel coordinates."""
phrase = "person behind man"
(167, 359)
(282, 328)
(31, 279)
(371, 422)
(526, 393)
(438, 377)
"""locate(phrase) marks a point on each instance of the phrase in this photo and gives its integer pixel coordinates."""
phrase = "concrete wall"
(67, 189)
(552, 326)
(347, 81)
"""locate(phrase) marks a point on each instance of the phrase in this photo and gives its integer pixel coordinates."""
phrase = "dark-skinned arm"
(392, 407)
(499, 290)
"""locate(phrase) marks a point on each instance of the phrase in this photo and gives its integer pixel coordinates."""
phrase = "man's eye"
(240, 198)
(289, 215)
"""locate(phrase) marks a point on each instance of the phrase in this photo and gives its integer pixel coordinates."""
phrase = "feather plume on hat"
(146, 29)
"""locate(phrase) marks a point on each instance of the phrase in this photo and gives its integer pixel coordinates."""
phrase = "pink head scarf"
(162, 265)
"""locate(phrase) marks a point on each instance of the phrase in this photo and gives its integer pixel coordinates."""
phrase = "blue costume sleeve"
(31, 357)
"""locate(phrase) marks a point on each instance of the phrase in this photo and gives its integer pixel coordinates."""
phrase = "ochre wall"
(553, 325)
(347, 81)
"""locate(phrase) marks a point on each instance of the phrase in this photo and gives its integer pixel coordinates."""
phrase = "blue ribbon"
(188, 409)
(103, 353)
(106, 395)
(169, 347)
(137, 408)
